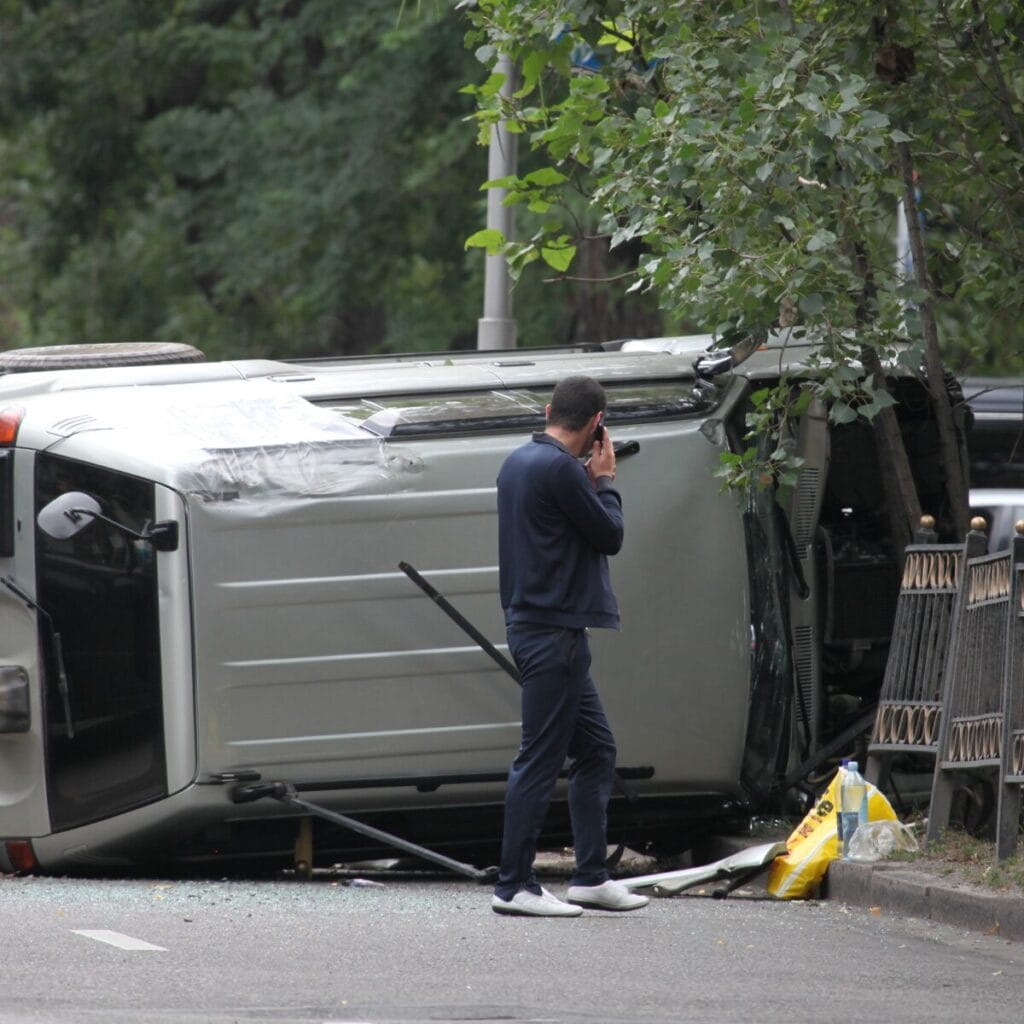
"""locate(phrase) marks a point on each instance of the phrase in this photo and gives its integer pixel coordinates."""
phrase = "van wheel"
(81, 357)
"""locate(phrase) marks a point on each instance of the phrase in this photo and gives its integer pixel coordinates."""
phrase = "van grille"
(806, 508)
(804, 657)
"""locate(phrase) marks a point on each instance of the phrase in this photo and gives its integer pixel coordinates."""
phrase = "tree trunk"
(956, 488)
(902, 504)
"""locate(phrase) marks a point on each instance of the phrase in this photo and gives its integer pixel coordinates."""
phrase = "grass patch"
(967, 859)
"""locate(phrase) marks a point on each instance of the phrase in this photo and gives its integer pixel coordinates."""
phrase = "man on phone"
(558, 521)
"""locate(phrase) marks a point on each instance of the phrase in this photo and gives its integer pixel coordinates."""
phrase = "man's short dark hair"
(574, 401)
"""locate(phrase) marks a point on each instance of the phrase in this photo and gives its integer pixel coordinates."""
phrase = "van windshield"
(99, 589)
(511, 410)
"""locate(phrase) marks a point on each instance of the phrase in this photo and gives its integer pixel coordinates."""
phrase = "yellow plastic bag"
(812, 844)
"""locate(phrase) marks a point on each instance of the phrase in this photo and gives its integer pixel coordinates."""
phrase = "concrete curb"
(896, 888)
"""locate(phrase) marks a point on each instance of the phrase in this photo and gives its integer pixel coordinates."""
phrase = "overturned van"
(208, 596)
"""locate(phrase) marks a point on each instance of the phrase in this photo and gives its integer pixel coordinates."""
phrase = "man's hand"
(602, 458)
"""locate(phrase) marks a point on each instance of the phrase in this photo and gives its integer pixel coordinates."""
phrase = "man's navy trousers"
(562, 717)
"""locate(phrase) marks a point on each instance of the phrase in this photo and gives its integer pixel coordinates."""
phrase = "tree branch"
(1013, 125)
(592, 280)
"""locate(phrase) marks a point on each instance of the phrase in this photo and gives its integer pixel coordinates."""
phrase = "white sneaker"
(529, 904)
(606, 896)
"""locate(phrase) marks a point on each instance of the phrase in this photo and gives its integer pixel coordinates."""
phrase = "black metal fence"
(954, 681)
(982, 691)
(910, 703)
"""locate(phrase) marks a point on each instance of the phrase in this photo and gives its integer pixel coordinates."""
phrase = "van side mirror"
(711, 364)
(71, 513)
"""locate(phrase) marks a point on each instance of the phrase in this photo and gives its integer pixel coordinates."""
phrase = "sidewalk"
(903, 888)
(912, 889)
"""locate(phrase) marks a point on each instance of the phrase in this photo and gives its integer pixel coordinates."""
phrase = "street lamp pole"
(496, 329)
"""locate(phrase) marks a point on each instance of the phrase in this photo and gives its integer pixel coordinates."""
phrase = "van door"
(22, 784)
(319, 662)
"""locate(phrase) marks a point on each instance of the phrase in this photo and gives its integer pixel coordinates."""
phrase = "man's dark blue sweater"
(555, 532)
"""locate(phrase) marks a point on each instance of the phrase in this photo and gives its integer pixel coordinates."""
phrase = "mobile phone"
(599, 431)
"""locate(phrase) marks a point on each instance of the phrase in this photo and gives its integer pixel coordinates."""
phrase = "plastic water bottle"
(839, 810)
(853, 804)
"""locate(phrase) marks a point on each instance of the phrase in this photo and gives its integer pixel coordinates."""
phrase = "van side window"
(503, 411)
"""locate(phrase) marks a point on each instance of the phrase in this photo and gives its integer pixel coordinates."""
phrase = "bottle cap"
(852, 765)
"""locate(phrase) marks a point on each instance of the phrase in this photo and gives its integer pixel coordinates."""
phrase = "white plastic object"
(876, 840)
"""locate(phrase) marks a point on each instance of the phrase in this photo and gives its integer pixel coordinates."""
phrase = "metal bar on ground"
(285, 792)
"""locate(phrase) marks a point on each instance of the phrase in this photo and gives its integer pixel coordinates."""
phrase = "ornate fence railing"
(980, 731)
(954, 680)
(909, 715)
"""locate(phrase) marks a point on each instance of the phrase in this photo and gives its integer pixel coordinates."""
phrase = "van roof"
(671, 357)
(378, 375)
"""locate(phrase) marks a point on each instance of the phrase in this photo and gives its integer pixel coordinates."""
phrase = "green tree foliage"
(757, 153)
(252, 176)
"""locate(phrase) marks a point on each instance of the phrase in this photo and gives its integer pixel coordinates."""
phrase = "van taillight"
(21, 855)
(10, 420)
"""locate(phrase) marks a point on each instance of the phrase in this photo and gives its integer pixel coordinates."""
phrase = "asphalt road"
(432, 950)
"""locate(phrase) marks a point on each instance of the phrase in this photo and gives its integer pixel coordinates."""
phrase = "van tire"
(86, 356)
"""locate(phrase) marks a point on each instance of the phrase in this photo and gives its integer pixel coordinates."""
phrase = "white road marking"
(117, 939)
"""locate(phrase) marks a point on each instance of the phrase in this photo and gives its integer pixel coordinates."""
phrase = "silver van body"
(223, 604)
(280, 640)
